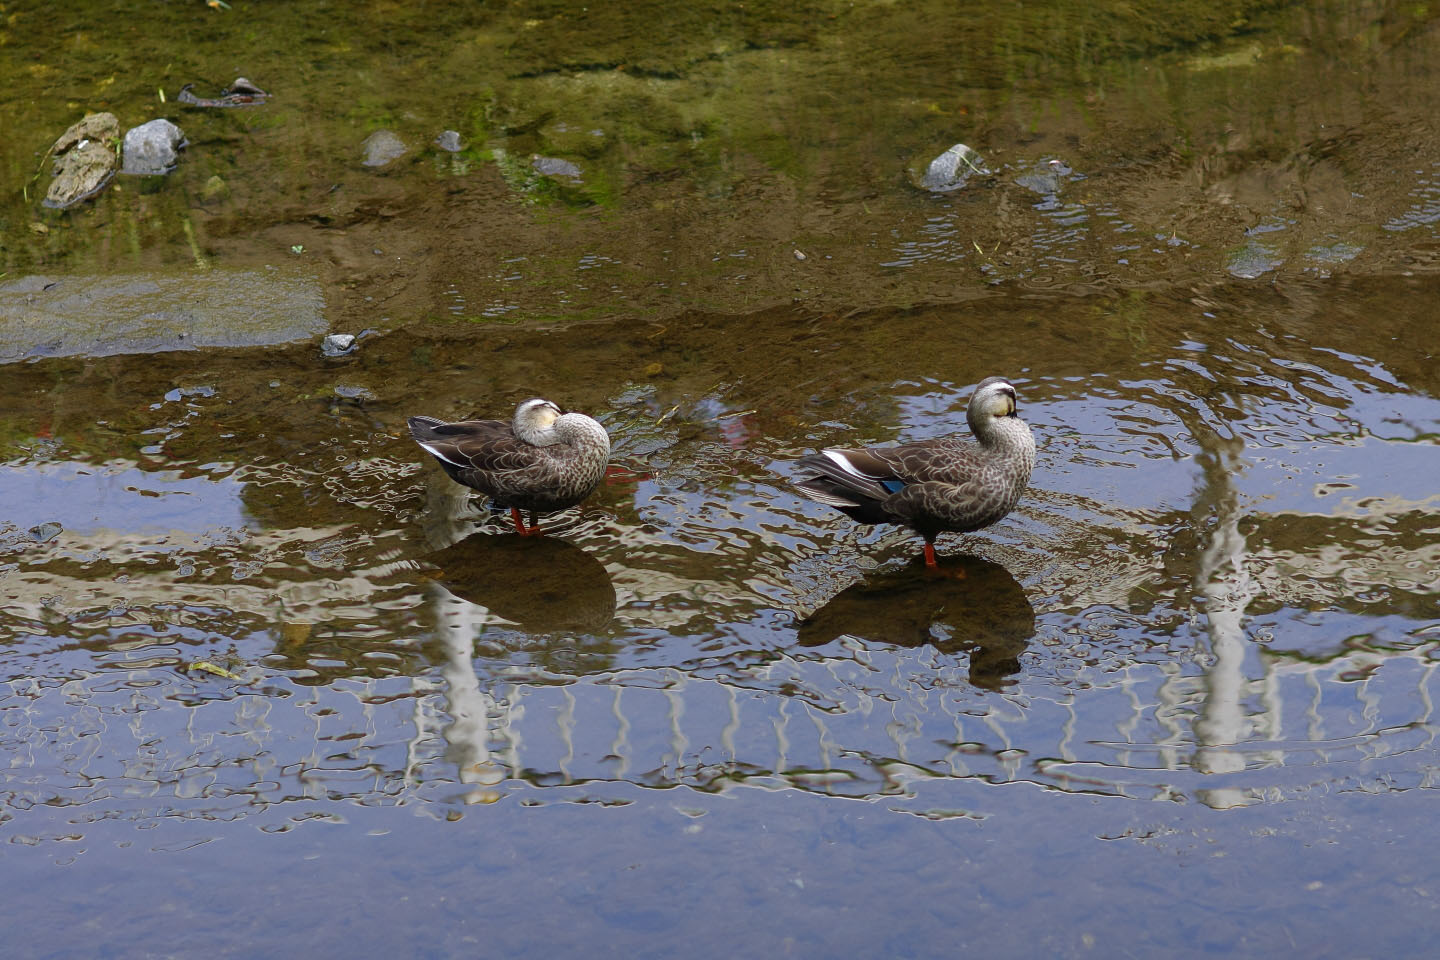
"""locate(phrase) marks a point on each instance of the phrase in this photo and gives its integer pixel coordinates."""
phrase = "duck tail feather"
(842, 477)
(423, 428)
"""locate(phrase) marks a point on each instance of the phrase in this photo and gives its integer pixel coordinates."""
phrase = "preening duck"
(952, 484)
(543, 460)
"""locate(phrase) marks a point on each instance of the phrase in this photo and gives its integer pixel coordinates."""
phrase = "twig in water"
(730, 416)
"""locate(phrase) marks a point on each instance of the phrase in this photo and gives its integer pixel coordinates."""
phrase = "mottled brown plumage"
(543, 460)
(952, 484)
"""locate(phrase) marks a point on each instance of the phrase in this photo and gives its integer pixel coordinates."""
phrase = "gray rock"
(449, 141)
(1253, 260)
(951, 169)
(554, 167)
(1046, 177)
(150, 313)
(338, 344)
(152, 148)
(381, 147)
(45, 532)
(349, 391)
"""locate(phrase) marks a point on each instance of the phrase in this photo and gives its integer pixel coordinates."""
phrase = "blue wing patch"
(893, 485)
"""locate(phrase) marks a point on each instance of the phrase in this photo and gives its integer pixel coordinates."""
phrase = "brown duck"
(542, 460)
(952, 484)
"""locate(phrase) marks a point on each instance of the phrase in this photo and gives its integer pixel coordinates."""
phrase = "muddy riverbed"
(269, 681)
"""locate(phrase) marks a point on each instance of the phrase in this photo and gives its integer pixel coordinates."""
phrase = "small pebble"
(45, 532)
(554, 167)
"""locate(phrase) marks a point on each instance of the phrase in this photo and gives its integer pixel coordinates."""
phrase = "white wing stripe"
(435, 451)
(843, 462)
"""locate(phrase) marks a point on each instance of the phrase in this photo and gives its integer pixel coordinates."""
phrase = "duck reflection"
(969, 604)
(542, 584)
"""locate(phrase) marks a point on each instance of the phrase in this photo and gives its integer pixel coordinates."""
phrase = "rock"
(381, 147)
(951, 169)
(338, 344)
(84, 160)
(95, 126)
(45, 532)
(554, 167)
(1253, 260)
(449, 141)
(58, 316)
(152, 148)
(80, 174)
(214, 189)
(350, 391)
(242, 87)
(1046, 177)
(241, 93)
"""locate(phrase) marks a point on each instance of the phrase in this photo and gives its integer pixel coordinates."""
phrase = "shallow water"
(1219, 593)
(270, 678)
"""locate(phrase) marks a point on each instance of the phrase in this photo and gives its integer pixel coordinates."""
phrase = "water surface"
(270, 679)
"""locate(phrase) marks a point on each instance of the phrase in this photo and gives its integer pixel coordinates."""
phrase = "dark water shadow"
(969, 605)
(542, 584)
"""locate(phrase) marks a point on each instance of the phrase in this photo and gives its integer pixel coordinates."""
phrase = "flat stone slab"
(84, 160)
(153, 313)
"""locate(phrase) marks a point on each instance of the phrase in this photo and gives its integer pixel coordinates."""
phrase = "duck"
(543, 460)
(950, 484)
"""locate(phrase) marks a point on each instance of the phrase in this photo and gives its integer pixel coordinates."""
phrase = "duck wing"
(848, 478)
(876, 473)
(951, 460)
(484, 454)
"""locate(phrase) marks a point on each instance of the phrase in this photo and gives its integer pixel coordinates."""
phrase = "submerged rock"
(84, 160)
(1261, 252)
(1253, 260)
(1046, 177)
(241, 93)
(952, 169)
(381, 147)
(149, 313)
(215, 189)
(45, 532)
(95, 126)
(338, 344)
(355, 392)
(152, 148)
(449, 141)
(554, 167)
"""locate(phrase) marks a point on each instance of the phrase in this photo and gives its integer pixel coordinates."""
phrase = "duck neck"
(1001, 433)
(535, 436)
(579, 430)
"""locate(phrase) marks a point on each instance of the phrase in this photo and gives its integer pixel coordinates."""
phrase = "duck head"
(994, 397)
(534, 422)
